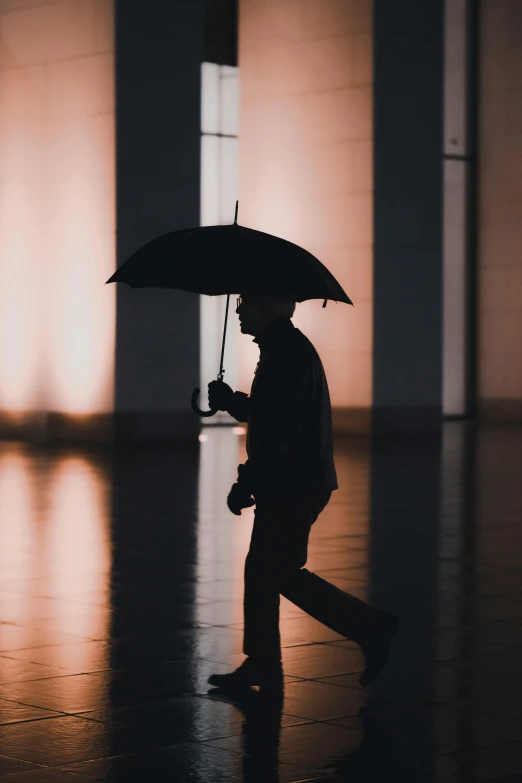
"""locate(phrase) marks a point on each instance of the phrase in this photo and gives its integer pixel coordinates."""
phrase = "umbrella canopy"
(232, 259)
(225, 260)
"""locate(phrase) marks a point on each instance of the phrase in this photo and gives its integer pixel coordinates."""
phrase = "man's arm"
(238, 407)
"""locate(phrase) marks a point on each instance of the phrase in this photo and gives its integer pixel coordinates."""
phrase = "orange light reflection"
(55, 554)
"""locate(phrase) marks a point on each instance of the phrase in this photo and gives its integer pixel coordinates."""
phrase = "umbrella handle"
(196, 392)
(196, 409)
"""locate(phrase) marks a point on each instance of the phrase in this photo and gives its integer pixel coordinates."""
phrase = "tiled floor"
(121, 592)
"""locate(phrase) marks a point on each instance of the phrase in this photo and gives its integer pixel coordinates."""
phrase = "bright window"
(219, 192)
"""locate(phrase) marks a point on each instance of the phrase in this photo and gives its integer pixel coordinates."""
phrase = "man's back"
(290, 439)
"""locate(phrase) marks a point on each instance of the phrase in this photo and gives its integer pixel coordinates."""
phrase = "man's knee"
(277, 570)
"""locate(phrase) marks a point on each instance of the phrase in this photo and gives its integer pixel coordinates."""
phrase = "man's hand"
(239, 498)
(220, 395)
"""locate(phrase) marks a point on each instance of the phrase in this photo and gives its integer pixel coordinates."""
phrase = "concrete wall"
(306, 170)
(57, 215)
(500, 209)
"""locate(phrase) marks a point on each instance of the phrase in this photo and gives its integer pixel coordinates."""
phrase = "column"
(158, 73)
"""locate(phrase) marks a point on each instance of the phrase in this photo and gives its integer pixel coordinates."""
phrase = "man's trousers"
(274, 565)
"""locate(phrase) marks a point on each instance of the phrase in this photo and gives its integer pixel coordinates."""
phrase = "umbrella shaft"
(221, 370)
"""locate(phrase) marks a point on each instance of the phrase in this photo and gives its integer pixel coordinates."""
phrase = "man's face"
(254, 314)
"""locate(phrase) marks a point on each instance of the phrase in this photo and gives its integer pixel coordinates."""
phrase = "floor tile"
(17, 637)
(183, 762)
(306, 744)
(314, 661)
(48, 775)
(15, 670)
(78, 657)
(59, 741)
(12, 712)
(321, 702)
(174, 678)
(79, 692)
(10, 766)
(173, 720)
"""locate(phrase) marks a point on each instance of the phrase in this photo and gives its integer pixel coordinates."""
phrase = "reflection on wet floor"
(120, 576)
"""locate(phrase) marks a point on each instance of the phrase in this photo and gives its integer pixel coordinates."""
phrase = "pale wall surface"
(500, 208)
(57, 206)
(305, 169)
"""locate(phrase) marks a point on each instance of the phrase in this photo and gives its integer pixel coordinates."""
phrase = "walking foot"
(247, 675)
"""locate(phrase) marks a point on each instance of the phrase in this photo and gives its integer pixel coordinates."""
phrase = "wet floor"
(120, 578)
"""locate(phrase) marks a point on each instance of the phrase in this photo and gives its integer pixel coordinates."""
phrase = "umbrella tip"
(235, 217)
(324, 303)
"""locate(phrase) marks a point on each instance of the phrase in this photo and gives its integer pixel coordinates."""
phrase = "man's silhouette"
(289, 475)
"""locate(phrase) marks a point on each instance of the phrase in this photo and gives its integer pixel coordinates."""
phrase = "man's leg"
(278, 547)
(278, 550)
(274, 565)
(261, 638)
(345, 614)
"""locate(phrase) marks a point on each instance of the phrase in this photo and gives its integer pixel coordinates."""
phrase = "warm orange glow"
(21, 267)
(17, 523)
(54, 547)
(306, 169)
(222, 537)
(55, 552)
(57, 216)
(76, 556)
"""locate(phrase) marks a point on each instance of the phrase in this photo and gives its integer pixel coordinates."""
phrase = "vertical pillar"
(407, 270)
(158, 72)
(407, 347)
(499, 164)
(459, 212)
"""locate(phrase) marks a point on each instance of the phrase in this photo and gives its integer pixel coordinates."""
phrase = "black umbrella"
(225, 260)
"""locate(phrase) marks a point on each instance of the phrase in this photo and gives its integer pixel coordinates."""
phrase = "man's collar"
(273, 332)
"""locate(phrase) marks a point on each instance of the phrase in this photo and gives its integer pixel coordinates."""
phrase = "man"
(289, 475)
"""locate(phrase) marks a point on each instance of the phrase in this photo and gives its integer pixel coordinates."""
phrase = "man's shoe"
(248, 674)
(376, 650)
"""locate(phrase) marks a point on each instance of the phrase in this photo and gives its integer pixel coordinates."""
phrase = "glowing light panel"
(57, 207)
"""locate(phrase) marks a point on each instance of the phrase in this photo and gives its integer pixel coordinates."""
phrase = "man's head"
(257, 313)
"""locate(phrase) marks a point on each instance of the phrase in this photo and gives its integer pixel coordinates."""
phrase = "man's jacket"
(290, 439)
